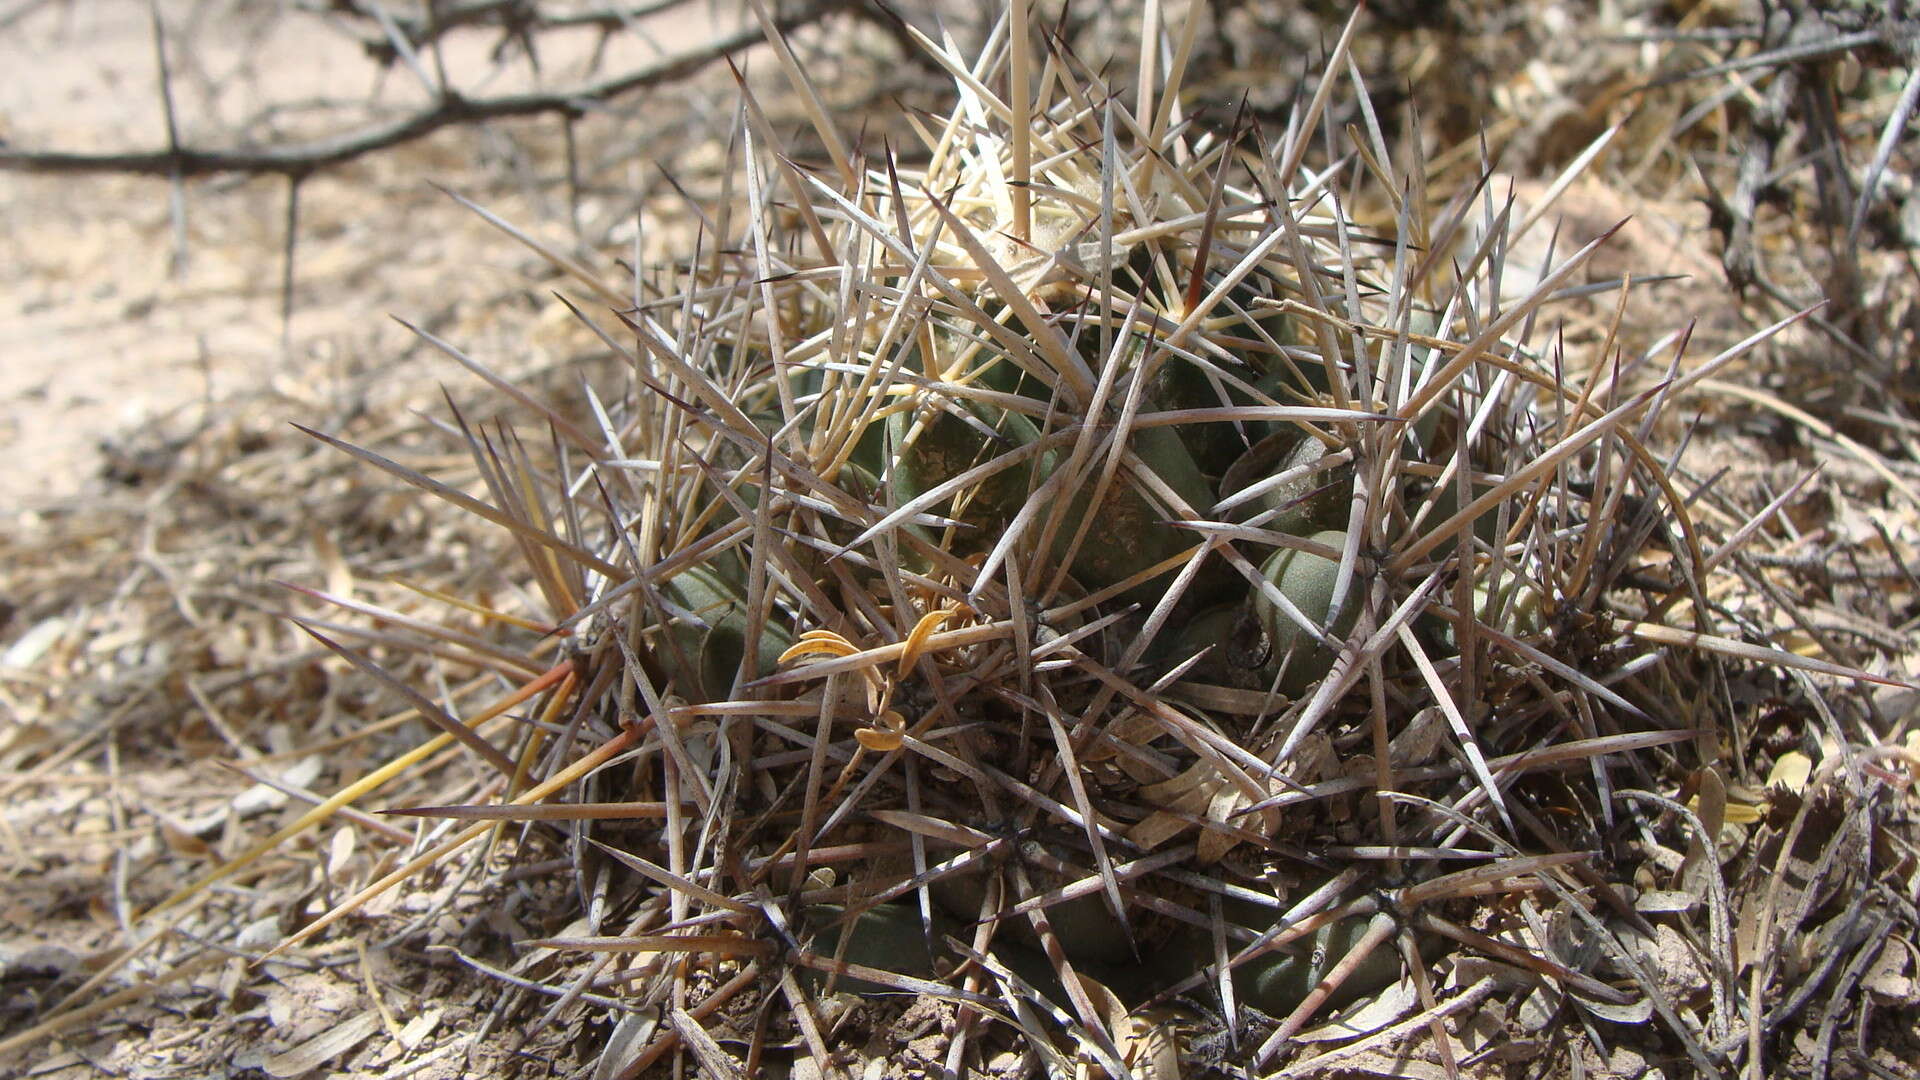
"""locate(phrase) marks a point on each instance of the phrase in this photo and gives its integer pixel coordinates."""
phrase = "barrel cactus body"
(1037, 399)
(978, 542)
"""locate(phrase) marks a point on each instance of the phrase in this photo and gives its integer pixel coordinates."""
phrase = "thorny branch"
(299, 159)
(516, 18)
(1797, 42)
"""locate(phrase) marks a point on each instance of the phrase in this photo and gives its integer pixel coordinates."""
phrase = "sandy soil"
(129, 303)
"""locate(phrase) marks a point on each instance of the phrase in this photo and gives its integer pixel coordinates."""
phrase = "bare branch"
(301, 158)
(516, 17)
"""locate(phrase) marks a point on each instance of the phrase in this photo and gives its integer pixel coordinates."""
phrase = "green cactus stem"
(1308, 580)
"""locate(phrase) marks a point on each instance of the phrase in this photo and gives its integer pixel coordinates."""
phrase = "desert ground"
(160, 715)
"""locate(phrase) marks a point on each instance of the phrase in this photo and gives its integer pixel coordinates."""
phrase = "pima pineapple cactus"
(1069, 459)
(1075, 561)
